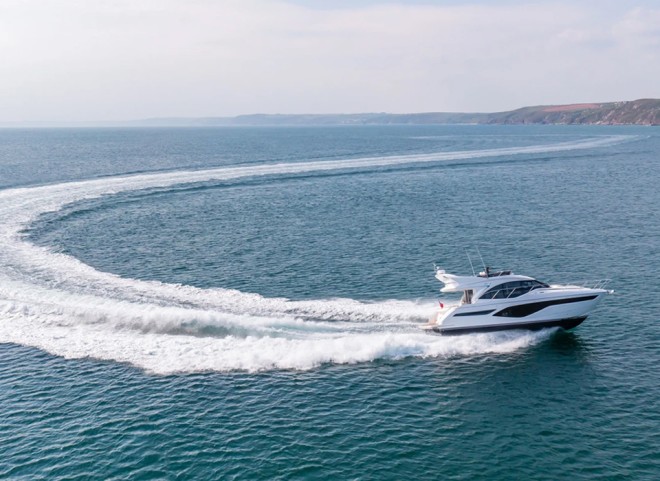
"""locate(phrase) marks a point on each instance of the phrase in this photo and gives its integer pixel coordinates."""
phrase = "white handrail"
(589, 284)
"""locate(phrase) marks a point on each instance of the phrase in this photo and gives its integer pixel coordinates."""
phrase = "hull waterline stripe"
(569, 323)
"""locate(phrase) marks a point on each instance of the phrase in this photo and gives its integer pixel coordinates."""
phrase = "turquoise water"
(245, 304)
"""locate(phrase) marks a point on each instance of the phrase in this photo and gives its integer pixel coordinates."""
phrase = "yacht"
(495, 301)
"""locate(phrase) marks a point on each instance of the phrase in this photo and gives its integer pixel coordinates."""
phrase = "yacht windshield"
(512, 289)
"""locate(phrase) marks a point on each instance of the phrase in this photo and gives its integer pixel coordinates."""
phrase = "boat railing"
(589, 284)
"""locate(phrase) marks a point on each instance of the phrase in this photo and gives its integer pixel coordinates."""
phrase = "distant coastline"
(633, 112)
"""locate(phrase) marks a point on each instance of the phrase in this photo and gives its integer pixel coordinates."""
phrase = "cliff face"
(635, 112)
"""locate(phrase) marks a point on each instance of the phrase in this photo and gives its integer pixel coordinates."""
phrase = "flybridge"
(454, 283)
(487, 273)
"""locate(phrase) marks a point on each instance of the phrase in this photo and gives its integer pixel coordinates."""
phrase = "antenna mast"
(469, 259)
(482, 260)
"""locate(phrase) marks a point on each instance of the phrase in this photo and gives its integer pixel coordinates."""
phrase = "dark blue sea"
(246, 303)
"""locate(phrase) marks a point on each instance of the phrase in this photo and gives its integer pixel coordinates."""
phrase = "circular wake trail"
(57, 303)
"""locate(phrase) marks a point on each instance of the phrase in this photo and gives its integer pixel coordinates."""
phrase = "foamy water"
(59, 304)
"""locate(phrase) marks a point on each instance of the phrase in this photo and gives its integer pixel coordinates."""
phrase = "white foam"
(59, 304)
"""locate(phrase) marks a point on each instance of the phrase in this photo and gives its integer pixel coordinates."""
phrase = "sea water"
(245, 303)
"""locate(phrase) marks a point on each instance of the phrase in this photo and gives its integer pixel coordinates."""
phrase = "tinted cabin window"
(511, 289)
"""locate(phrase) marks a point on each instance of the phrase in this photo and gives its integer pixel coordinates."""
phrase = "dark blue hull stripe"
(523, 310)
(532, 326)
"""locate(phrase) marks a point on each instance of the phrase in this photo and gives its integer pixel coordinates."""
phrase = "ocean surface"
(245, 303)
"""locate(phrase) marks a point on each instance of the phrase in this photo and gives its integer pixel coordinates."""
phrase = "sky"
(111, 60)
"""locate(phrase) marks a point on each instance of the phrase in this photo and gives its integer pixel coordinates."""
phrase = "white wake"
(59, 304)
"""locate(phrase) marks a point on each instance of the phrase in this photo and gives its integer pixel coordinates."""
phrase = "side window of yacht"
(493, 292)
(511, 289)
(539, 284)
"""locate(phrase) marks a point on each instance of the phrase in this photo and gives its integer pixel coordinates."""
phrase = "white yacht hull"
(566, 324)
(566, 310)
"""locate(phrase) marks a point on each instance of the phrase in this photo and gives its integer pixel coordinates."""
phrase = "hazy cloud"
(121, 59)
